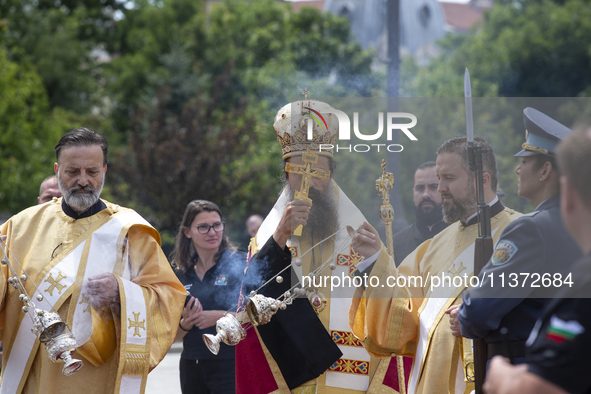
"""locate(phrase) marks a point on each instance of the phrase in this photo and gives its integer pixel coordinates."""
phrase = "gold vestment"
(44, 234)
(388, 319)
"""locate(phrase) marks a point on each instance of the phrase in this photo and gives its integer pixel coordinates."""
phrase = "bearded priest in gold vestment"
(411, 320)
(308, 347)
(101, 267)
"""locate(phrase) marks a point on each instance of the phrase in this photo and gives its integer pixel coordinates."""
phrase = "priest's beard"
(430, 217)
(461, 207)
(323, 216)
(78, 201)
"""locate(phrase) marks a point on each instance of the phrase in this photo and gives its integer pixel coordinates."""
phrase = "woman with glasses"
(212, 272)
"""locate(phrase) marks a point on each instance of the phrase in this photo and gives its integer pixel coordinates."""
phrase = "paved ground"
(164, 379)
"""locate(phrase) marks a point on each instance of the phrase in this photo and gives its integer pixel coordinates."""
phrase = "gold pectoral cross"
(307, 171)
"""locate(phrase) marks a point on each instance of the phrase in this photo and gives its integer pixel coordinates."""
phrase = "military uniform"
(533, 247)
(559, 344)
(534, 243)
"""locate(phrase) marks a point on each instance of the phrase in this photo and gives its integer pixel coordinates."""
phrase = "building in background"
(423, 22)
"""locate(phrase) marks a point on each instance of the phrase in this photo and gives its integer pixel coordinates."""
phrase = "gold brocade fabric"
(39, 233)
(388, 318)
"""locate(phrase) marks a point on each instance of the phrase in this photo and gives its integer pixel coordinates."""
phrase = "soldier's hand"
(502, 377)
(103, 290)
(295, 213)
(367, 240)
(453, 320)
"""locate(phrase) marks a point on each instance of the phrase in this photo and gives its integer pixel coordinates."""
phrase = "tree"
(527, 48)
(28, 132)
(63, 40)
(202, 90)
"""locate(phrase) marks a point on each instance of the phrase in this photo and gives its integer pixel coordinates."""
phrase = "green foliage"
(61, 39)
(202, 91)
(28, 132)
(528, 48)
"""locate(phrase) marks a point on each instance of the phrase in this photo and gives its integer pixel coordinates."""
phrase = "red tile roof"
(318, 4)
(462, 16)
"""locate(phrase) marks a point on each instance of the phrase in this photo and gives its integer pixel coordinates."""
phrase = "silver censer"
(229, 329)
(59, 341)
(47, 326)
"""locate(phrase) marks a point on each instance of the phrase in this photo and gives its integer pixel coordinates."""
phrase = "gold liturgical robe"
(410, 320)
(352, 372)
(59, 254)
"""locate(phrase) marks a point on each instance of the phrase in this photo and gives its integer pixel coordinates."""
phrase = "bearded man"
(427, 205)
(101, 268)
(308, 347)
(410, 320)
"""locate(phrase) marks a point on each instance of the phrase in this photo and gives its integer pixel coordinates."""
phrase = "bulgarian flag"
(560, 330)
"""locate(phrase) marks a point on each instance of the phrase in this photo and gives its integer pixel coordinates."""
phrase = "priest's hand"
(453, 320)
(367, 240)
(295, 213)
(103, 291)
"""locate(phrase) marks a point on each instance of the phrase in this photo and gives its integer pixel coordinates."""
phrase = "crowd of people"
(100, 266)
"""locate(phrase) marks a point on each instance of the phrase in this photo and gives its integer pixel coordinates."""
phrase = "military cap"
(542, 134)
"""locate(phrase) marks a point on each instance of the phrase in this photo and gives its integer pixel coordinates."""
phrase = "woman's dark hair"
(541, 159)
(184, 251)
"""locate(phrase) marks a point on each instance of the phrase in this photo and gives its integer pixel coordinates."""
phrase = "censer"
(48, 326)
(259, 309)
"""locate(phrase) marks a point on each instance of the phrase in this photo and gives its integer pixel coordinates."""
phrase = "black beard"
(431, 217)
(323, 216)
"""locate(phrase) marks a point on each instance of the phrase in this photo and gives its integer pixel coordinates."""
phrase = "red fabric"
(253, 374)
(555, 337)
(391, 378)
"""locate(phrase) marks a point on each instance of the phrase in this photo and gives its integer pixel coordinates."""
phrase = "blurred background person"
(429, 218)
(48, 190)
(252, 224)
(212, 271)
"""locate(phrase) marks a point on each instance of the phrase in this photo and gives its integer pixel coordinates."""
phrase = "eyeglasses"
(218, 227)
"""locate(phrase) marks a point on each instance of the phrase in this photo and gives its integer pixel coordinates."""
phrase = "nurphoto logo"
(393, 123)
